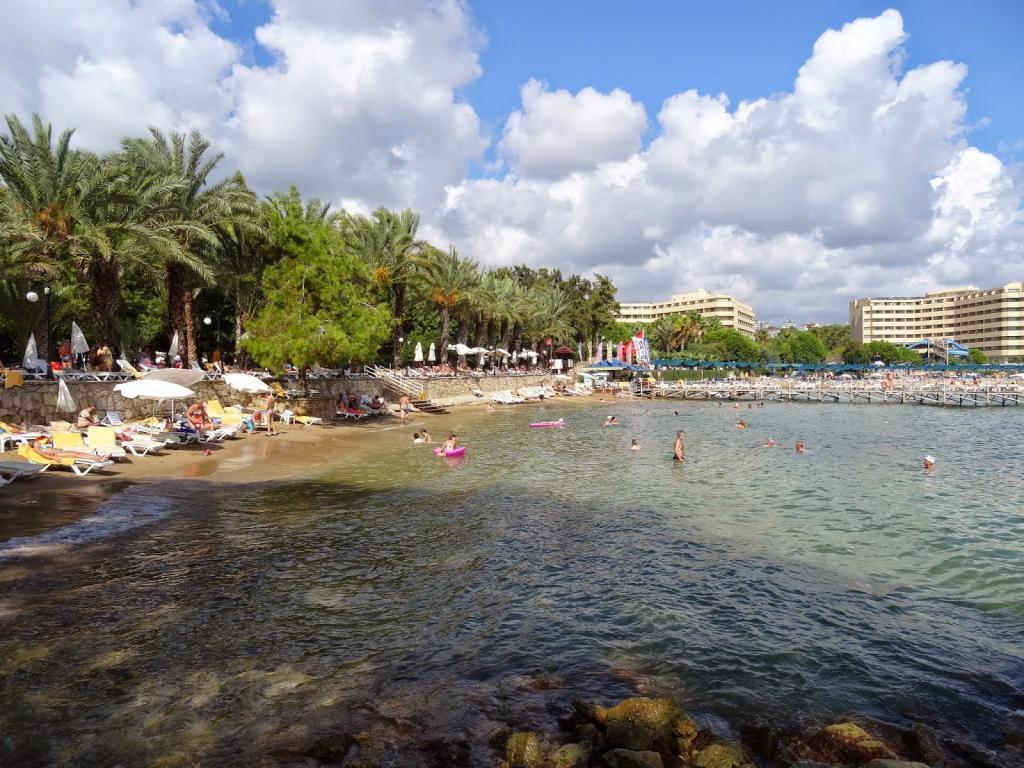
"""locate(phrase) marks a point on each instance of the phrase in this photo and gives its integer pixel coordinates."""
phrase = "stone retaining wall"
(36, 401)
(445, 390)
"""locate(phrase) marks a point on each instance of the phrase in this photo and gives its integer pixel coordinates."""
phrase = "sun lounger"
(80, 465)
(19, 470)
(11, 436)
(73, 441)
(289, 417)
(104, 439)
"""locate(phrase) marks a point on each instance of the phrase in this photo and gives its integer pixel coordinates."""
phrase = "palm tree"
(387, 242)
(550, 314)
(663, 333)
(193, 210)
(66, 210)
(446, 279)
(688, 327)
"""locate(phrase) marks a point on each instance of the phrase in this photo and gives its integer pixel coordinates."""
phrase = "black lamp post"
(32, 297)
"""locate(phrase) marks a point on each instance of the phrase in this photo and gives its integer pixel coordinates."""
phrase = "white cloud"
(557, 132)
(859, 180)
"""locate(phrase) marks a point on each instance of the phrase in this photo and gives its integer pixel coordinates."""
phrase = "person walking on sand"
(404, 406)
(679, 449)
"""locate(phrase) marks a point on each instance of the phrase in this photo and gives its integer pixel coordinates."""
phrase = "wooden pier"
(950, 397)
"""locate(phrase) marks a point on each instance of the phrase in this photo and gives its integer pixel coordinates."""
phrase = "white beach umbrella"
(418, 355)
(28, 361)
(245, 382)
(431, 354)
(65, 403)
(173, 351)
(184, 377)
(153, 389)
(78, 343)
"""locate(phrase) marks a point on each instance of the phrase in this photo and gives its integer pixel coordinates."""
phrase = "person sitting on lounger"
(87, 418)
(198, 418)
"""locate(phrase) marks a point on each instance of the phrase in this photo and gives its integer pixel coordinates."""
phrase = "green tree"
(728, 344)
(317, 298)
(194, 209)
(446, 279)
(833, 336)
(793, 346)
(387, 242)
(662, 334)
(976, 356)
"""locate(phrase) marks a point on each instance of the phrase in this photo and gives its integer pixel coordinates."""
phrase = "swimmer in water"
(679, 449)
(741, 424)
(929, 463)
(799, 446)
(634, 445)
(416, 437)
(611, 421)
(490, 408)
(769, 443)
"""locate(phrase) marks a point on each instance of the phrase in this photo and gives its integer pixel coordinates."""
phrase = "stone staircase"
(400, 385)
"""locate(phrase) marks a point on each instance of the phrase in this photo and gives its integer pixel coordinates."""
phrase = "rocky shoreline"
(643, 732)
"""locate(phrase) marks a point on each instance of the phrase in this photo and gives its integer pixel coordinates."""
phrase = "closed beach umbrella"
(28, 361)
(65, 403)
(184, 377)
(418, 356)
(173, 351)
(78, 343)
(431, 354)
(245, 382)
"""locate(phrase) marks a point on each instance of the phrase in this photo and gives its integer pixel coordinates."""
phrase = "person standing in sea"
(679, 449)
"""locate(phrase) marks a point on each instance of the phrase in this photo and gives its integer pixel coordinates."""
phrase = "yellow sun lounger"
(80, 465)
(104, 439)
(73, 441)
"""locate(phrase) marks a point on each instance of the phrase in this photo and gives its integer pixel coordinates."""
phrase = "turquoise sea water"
(459, 597)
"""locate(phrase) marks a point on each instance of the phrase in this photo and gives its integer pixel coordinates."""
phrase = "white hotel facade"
(732, 312)
(991, 320)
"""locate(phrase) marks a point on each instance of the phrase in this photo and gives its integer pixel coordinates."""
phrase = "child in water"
(634, 445)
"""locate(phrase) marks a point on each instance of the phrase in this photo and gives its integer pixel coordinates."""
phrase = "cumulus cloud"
(557, 132)
(860, 179)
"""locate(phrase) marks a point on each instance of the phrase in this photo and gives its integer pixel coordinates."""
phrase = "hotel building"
(731, 312)
(991, 320)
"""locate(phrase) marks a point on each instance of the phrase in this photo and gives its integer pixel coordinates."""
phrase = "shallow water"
(449, 598)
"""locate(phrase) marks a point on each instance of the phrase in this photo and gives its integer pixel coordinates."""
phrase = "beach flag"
(642, 347)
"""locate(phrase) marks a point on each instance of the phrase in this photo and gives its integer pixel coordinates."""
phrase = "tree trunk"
(399, 332)
(597, 344)
(480, 330)
(442, 353)
(506, 335)
(241, 356)
(191, 353)
(175, 303)
(106, 298)
(492, 332)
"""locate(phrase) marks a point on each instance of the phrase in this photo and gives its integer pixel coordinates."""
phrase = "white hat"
(929, 460)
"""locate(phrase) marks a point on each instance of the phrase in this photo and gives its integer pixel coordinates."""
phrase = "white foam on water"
(130, 509)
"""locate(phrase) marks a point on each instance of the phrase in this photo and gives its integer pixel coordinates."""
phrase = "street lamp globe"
(32, 296)
(207, 321)
(401, 339)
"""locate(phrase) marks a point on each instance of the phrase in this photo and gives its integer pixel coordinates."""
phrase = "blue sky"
(744, 48)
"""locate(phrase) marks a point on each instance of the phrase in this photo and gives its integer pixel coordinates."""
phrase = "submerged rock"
(569, 756)
(523, 749)
(847, 743)
(894, 764)
(643, 724)
(630, 758)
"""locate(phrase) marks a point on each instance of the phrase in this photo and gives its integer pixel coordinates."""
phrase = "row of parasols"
(482, 352)
(165, 384)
